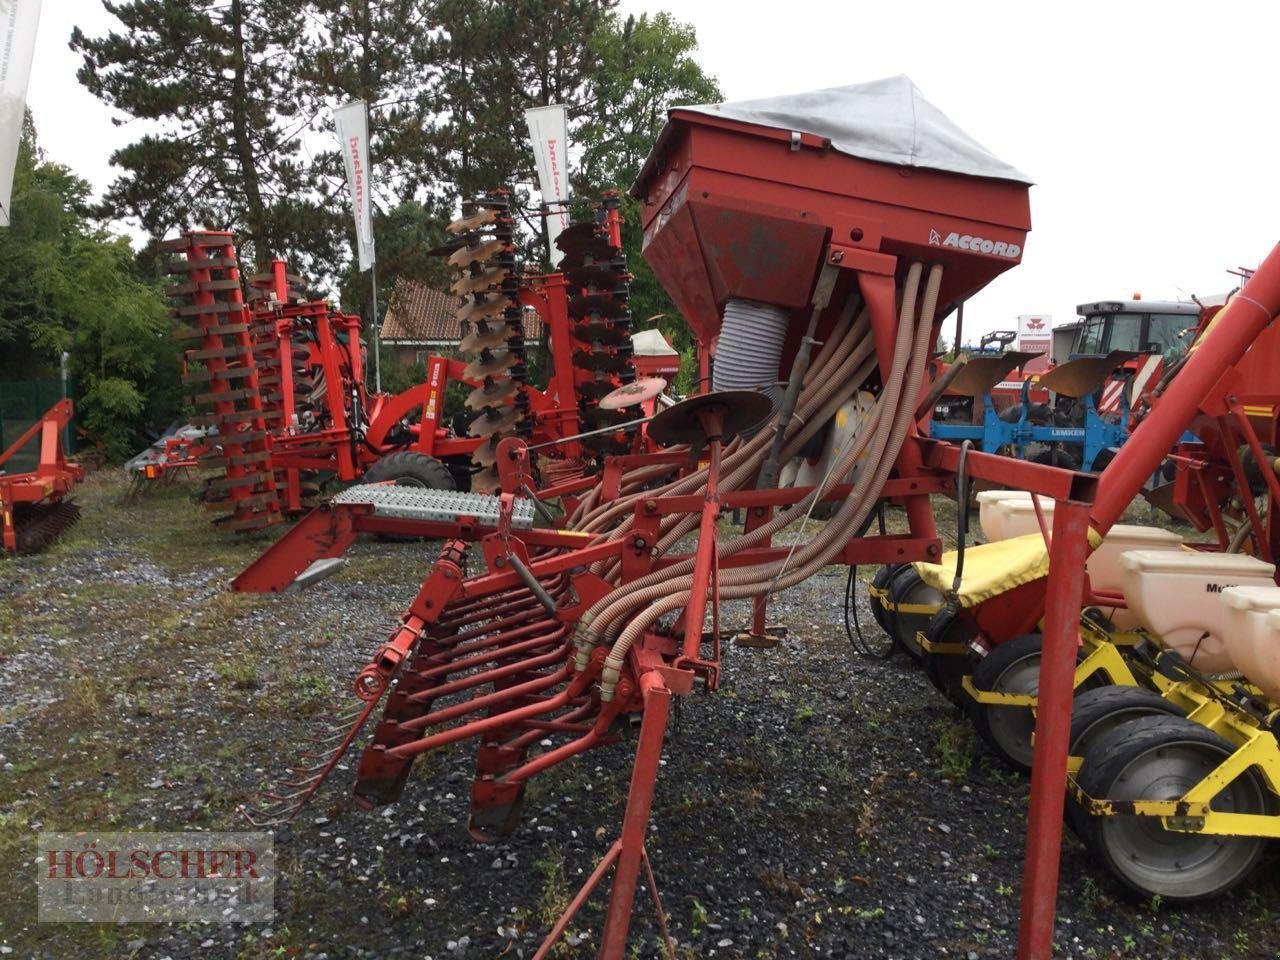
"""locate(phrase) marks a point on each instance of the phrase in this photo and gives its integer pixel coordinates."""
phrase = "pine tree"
(218, 81)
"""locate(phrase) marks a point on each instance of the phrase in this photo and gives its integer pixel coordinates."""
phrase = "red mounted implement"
(33, 505)
(804, 262)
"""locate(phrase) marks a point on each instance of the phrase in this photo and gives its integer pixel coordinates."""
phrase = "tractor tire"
(1160, 758)
(408, 468)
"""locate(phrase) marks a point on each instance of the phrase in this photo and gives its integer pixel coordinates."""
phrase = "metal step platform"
(312, 549)
(436, 506)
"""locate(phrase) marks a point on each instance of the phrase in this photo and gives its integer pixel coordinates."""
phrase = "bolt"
(837, 256)
(499, 561)
(932, 550)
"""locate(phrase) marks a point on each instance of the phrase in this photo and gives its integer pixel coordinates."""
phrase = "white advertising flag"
(18, 21)
(547, 131)
(353, 131)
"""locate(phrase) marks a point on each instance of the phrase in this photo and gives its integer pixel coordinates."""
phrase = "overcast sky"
(1148, 127)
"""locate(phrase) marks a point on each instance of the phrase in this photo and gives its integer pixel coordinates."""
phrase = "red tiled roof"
(417, 313)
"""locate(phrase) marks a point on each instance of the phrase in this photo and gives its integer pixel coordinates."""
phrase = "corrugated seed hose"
(891, 418)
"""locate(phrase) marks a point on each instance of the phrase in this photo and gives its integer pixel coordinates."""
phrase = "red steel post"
(1053, 729)
(712, 420)
(635, 822)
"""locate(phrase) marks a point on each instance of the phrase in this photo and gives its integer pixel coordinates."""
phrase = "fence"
(22, 403)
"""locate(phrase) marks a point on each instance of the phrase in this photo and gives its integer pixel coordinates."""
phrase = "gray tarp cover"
(885, 120)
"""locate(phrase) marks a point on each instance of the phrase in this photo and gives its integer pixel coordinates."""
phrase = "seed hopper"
(818, 241)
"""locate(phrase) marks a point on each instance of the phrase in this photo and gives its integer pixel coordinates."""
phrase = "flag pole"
(373, 266)
(377, 349)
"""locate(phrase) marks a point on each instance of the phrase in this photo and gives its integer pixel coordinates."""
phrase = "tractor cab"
(1161, 328)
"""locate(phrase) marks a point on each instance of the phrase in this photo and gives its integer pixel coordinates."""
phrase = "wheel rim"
(1011, 727)
(1183, 865)
(410, 482)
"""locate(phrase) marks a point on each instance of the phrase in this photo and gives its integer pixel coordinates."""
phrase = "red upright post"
(1053, 729)
(635, 822)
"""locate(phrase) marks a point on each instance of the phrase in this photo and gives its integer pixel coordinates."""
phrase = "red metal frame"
(513, 630)
(51, 480)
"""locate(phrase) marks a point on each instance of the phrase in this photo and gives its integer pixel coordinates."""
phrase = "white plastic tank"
(1251, 635)
(1105, 571)
(1177, 596)
(1017, 518)
(988, 518)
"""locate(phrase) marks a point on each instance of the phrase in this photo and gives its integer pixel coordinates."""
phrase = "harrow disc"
(493, 392)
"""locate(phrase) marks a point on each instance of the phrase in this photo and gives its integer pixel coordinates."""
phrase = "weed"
(1004, 890)
(241, 674)
(698, 918)
(873, 913)
(83, 697)
(955, 748)
(553, 897)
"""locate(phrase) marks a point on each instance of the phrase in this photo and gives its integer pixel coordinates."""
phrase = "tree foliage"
(67, 284)
(218, 78)
(236, 98)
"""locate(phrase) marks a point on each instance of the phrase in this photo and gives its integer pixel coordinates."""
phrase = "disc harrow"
(601, 322)
(222, 369)
(491, 319)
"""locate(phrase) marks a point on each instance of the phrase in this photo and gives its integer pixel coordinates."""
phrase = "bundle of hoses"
(627, 612)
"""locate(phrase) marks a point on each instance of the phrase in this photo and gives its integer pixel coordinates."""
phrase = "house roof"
(418, 313)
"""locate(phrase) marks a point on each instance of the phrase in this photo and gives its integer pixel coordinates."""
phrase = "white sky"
(1148, 127)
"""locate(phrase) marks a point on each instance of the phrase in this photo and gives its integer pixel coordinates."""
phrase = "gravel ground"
(820, 805)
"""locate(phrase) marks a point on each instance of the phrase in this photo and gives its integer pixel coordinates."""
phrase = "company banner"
(352, 121)
(1035, 335)
(18, 22)
(548, 133)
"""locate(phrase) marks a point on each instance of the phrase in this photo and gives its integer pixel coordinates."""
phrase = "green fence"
(22, 403)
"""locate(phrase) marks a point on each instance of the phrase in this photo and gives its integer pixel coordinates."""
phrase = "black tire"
(906, 587)
(1159, 758)
(408, 468)
(1104, 457)
(882, 615)
(1058, 457)
(1097, 712)
(947, 670)
(1012, 667)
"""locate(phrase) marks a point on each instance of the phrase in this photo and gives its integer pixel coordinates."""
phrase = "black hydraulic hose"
(852, 625)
